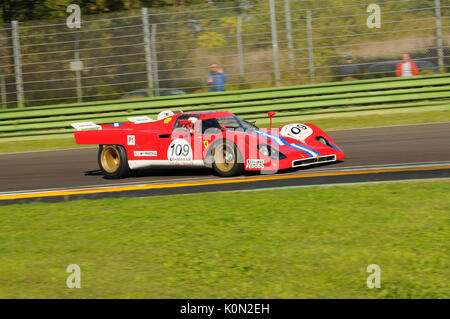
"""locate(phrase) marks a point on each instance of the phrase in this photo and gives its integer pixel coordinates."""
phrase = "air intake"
(309, 161)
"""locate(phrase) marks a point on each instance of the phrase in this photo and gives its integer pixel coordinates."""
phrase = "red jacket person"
(406, 67)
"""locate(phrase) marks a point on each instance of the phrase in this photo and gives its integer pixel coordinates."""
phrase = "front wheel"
(227, 159)
(113, 161)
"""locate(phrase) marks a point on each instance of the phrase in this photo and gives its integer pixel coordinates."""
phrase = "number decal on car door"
(179, 151)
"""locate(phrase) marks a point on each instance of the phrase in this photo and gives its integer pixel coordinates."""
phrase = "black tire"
(113, 161)
(227, 159)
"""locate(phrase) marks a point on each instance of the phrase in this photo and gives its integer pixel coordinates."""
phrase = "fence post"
(148, 51)
(17, 63)
(439, 43)
(154, 60)
(310, 47)
(3, 88)
(290, 43)
(2, 77)
(78, 71)
(273, 23)
(239, 47)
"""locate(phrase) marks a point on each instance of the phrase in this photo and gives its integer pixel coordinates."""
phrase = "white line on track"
(101, 186)
(395, 165)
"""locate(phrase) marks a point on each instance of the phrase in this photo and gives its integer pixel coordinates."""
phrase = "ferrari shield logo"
(205, 144)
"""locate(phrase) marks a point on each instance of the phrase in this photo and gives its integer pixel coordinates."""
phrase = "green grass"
(290, 243)
(33, 145)
(9, 146)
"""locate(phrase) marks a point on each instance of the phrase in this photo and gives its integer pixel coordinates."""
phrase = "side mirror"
(223, 128)
(270, 114)
(186, 122)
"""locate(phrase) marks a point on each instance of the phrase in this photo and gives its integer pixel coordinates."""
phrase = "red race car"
(219, 140)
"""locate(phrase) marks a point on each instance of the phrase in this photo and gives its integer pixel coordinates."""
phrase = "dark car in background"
(143, 93)
(384, 69)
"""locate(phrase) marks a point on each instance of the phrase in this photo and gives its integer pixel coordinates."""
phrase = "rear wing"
(86, 126)
(140, 119)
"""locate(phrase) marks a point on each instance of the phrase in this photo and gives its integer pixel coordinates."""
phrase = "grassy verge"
(289, 243)
(34, 145)
(327, 124)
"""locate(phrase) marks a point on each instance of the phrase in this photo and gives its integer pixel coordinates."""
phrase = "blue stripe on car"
(307, 150)
(273, 138)
(281, 141)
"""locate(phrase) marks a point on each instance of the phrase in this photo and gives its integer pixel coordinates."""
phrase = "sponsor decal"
(116, 124)
(205, 144)
(180, 151)
(296, 131)
(145, 153)
(131, 140)
(255, 163)
(167, 120)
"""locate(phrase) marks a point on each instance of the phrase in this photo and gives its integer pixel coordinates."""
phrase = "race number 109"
(179, 150)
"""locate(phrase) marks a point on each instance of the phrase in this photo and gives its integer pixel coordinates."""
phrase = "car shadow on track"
(199, 172)
(160, 172)
(306, 168)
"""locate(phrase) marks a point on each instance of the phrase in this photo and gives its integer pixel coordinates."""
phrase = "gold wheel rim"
(224, 158)
(110, 159)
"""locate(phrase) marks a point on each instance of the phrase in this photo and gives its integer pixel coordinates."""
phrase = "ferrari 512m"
(219, 140)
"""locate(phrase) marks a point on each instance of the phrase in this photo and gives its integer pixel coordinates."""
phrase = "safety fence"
(258, 43)
(289, 102)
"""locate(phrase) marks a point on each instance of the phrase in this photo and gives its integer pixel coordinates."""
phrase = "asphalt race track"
(372, 154)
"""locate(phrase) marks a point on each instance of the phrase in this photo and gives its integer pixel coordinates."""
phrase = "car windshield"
(227, 122)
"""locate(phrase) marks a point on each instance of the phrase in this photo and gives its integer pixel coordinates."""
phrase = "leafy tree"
(25, 10)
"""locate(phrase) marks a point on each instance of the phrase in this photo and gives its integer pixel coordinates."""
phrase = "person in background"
(406, 67)
(349, 70)
(216, 79)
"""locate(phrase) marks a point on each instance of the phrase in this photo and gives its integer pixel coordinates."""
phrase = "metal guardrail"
(258, 43)
(387, 93)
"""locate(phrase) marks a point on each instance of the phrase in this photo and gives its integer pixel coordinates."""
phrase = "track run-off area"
(404, 152)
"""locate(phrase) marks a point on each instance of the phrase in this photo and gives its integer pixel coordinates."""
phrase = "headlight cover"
(325, 141)
(271, 152)
(264, 149)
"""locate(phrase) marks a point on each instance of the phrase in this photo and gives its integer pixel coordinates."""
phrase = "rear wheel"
(227, 159)
(113, 161)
